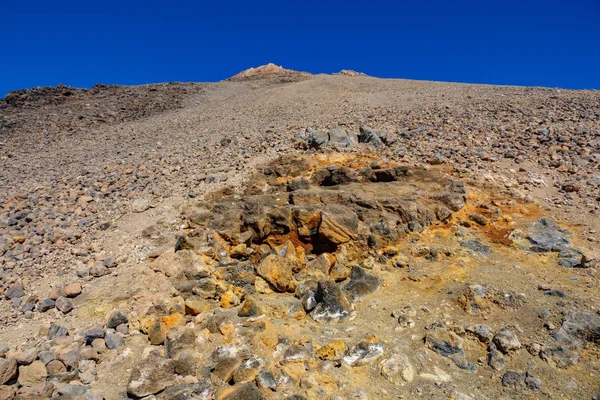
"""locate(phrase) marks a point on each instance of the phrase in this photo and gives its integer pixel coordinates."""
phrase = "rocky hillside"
(282, 235)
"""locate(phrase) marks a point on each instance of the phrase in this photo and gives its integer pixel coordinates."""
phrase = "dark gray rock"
(361, 283)
(70, 391)
(332, 304)
(338, 137)
(444, 342)
(64, 305)
(388, 174)
(571, 258)
(309, 300)
(545, 235)
(298, 184)
(521, 380)
(117, 318)
(200, 390)
(266, 380)
(110, 262)
(476, 245)
(316, 139)
(56, 331)
(495, 359)
(99, 270)
(448, 344)
(564, 345)
(369, 135)
(45, 305)
(14, 291)
(584, 325)
(46, 356)
(92, 334)
(339, 176)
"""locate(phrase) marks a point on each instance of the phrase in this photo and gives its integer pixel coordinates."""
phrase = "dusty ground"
(96, 184)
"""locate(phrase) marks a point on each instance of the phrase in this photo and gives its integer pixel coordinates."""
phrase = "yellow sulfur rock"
(334, 351)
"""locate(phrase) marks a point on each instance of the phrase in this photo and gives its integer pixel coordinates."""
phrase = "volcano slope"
(286, 235)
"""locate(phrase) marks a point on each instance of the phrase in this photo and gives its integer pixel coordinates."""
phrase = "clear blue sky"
(80, 43)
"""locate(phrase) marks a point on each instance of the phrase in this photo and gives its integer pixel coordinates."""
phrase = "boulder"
(226, 360)
(339, 224)
(332, 304)
(8, 369)
(64, 305)
(151, 375)
(279, 272)
(452, 196)
(361, 283)
(370, 136)
(506, 341)
(116, 318)
(31, 374)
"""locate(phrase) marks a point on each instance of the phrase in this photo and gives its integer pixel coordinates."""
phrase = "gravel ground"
(86, 174)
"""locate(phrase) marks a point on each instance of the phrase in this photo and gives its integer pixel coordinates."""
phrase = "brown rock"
(24, 357)
(89, 353)
(29, 375)
(195, 305)
(278, 271)
(99, 345)
(339, 273)
(55, 367)
(41, 390)
(8, 369)
(479, 219)
(339, 224)
(249, 308)
(323, 263)
(72, 290)
(8, 392)
(307, 220)
(54, 294)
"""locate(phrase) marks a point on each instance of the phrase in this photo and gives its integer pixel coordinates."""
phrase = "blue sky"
(80, 43)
